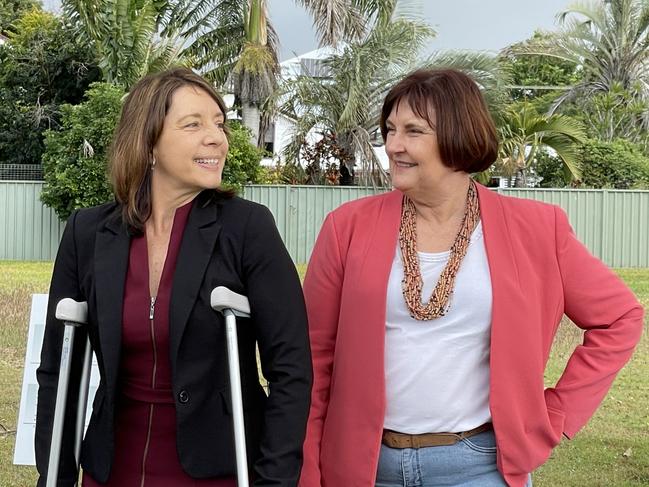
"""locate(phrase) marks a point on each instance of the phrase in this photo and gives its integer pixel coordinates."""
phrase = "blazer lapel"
(111, 264)
(196, 248)
(380, 247)
(509, 307)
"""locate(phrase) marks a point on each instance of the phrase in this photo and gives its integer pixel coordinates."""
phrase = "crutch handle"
(222, 298)
(72, 312)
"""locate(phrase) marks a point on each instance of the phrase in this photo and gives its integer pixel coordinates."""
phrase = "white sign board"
(24, 451)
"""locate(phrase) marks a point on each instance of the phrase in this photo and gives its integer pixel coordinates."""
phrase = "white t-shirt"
(437, 371)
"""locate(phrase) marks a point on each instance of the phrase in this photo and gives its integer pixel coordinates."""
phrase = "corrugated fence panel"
(613, 224)
(30, 231)
(627, 240)
(300, 210)
(584, 209)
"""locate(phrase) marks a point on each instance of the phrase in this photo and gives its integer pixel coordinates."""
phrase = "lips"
(404, 164)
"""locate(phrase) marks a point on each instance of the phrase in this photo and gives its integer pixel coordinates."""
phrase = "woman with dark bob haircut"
(146, 264)
(432, 309)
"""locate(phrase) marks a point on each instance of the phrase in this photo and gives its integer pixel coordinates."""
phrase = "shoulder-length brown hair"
(452, 104)
(136, 134)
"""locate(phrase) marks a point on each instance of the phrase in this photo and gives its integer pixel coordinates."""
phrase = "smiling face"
(192, 147)
(416, 166)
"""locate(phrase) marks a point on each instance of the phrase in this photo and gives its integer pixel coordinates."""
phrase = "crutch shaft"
(237, 403)
(83, 401)
(59, 408)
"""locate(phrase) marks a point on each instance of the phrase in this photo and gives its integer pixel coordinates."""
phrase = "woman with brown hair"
(146, 264)
(432, 309)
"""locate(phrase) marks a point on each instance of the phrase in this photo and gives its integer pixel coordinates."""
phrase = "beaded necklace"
(412, 282)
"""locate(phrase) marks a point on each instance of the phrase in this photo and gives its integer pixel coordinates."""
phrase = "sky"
(485, 25)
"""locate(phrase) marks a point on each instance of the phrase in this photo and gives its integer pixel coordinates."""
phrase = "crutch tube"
(83, 401)
(232, 305)
(73, 314)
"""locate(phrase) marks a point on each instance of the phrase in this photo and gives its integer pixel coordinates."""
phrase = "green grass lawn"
(612, 450)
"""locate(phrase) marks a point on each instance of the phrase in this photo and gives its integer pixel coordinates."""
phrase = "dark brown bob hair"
(452, 104)
(136, 134)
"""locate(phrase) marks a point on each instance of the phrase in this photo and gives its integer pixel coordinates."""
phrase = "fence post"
(604, 240)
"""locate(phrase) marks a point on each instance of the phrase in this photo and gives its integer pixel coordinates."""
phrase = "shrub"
(75, 158)
(242, 164)
(618, 164)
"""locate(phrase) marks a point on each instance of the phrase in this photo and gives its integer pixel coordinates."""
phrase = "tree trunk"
(521, 180)
(250, 117)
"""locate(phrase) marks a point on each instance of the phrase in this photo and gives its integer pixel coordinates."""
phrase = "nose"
(214, 136)
(394, 143)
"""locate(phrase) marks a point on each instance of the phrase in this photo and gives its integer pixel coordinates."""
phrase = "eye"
(220, 125)
(191, 125)
(390, 130)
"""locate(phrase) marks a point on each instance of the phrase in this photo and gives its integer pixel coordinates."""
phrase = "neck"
(444, 200)
(165, 199)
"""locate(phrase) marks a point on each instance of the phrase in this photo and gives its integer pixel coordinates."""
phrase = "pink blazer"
(539, 271)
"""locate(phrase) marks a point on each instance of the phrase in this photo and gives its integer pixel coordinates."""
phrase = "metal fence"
(614, 224)
(28, 229)
(21, 172)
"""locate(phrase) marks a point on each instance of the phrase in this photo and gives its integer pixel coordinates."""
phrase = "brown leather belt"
(403, 440)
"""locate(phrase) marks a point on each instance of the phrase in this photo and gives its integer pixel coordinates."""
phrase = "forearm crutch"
(232, 305)
(72, 314)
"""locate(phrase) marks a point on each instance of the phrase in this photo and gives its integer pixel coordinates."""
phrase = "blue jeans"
(471, 462)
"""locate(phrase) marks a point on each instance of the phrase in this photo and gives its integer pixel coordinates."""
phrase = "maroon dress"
(145, 424)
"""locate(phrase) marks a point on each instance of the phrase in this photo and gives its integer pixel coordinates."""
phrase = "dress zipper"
(155, 366)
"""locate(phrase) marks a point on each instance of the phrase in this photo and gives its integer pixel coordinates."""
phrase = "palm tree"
(124, 36)
(233, 44)
(345, 105)
(523, 132)
(609, 40)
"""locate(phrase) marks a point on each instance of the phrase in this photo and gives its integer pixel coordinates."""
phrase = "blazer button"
(183, 397)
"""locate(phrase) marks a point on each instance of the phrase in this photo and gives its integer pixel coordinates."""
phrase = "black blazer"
(227, 242)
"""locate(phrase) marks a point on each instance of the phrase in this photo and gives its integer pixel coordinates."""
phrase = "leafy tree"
(618, 164)
(523, 131)
(43, 62)
(75, 158)
(12, 10)
(41, 67)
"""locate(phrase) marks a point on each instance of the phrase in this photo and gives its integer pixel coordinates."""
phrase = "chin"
(400, 183)
(211, 183)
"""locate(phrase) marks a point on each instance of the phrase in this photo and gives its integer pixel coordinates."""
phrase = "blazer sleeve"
(322, 291)
(64, 284)
(279, 317)
(596, 300)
